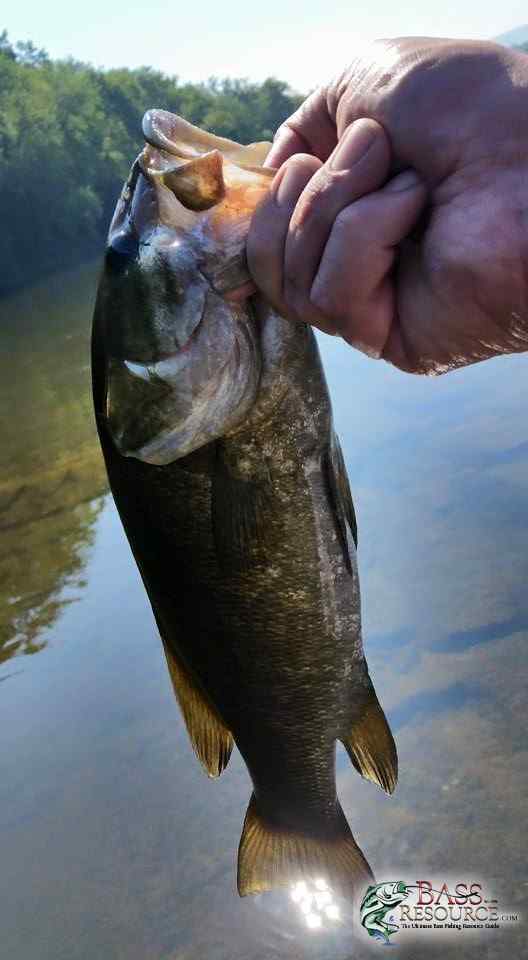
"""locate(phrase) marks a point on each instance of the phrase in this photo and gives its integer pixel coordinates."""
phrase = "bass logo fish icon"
(378, 901)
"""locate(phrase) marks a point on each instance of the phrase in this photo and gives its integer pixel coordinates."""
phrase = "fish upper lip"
(152, 136)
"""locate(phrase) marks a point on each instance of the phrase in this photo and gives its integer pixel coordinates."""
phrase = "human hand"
(335, 242)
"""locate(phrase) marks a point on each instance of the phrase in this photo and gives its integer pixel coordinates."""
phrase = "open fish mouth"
(183, 347)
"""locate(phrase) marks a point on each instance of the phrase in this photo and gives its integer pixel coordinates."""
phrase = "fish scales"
(216, 427)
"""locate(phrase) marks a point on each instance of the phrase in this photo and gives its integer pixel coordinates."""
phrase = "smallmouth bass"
(216, 428)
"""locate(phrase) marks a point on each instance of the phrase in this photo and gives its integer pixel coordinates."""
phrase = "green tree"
(68, 134)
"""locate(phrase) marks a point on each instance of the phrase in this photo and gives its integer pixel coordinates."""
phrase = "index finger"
(311, 129)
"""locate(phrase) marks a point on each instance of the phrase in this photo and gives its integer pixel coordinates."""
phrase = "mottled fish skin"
(246, 549)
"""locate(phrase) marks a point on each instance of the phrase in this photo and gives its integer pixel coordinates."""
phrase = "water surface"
(113, 842)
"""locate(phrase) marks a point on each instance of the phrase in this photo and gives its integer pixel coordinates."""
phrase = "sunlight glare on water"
(315, 902)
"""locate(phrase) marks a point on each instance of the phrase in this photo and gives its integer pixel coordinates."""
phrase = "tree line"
(68, 134)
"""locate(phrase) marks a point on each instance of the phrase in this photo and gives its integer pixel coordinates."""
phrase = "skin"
(398, 217)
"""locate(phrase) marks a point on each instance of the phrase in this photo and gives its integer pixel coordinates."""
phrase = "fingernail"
(404, 181)
(292, 181)
(355, 143)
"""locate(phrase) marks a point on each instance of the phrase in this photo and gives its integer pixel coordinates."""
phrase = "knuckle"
(317, 205)
(304, 164)
(299, 160)
(286, 129)
(311, 213)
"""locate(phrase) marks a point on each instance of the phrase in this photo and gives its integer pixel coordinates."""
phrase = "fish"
(216, 427)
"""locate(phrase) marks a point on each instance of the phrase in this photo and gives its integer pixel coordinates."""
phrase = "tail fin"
(270, 856)
(371, 748)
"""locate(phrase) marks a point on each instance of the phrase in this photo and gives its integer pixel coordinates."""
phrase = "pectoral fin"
(340, 497)
(211, 740)
(370, 746)
(240, 516)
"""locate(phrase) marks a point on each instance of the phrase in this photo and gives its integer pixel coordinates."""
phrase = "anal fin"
(270, 856)
(371, 748)
(212, 742)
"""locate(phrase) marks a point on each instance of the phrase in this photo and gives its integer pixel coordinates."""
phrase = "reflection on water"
(114, 844)
(316, 902)
(50, 467)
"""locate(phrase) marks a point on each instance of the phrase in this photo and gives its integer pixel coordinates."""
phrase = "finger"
(310, 129)
(286, 143)
(354, 287)
(269, 226)
(358, 165)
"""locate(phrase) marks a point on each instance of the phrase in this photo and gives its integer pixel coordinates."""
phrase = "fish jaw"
(171, 133)
(209, 200)
(181, 340)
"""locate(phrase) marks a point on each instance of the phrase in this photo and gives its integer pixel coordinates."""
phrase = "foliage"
(68, 134)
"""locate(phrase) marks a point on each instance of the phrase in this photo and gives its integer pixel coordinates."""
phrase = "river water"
(113, 844)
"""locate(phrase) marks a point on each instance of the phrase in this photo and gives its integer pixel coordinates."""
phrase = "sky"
(303, 42)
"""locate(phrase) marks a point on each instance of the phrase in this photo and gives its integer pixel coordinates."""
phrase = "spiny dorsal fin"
(340, 496)
(271, 857)
(370, 745)
(211, 740)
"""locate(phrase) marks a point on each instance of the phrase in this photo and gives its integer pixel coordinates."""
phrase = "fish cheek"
(163, 411)
(135, 405)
